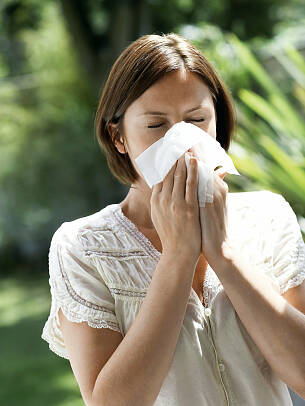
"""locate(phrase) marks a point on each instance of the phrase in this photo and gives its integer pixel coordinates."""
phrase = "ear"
(113, 129)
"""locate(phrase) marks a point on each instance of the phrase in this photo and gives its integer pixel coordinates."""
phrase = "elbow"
(89, 401)
(103, 398)
(293, 376)
(300, 392)
(299, 388)
(94, 402)
(113, 398)
(94, 399)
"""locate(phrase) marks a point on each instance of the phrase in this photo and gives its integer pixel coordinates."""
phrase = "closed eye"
(160, 125)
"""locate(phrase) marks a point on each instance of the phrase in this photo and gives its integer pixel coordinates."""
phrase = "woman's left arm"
(275, 322)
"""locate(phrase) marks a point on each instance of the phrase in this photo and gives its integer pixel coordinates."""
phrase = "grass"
(30, 374)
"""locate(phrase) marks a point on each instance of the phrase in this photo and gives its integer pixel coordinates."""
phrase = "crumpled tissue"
(157, 160)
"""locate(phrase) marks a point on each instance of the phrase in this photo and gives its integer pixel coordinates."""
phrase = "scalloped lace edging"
(297, 262)
(53, 347)
(292, 283)
(75, 306)
(79, 310)
(71, 316)
(50, 335)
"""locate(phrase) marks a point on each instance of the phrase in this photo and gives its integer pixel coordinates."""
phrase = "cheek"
(138, 147)
(137, 142)
(146, 139)
(211, 128)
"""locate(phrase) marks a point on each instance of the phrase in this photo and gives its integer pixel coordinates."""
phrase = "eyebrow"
(159, 113)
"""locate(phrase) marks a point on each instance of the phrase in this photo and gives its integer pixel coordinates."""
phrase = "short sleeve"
(288, 245)
(77, 288)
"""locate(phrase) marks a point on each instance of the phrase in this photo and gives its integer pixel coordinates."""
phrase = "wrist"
(226, 254)
(184, 256)
(227, 251)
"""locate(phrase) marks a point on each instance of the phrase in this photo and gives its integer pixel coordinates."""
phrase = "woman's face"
(164, 104)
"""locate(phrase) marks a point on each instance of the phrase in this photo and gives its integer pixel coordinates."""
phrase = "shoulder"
(263, 202)
(266, 211)
(257, 200)
(254, 214)
(259, 196)
(89, 232)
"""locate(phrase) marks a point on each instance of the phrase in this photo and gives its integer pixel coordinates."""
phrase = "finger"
(168, 181)
(178, 192)
(191, 193)
(156, 188)
(224, 188)
(221, 172)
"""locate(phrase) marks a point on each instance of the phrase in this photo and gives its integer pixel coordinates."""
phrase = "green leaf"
(262, 108)
(297, 176)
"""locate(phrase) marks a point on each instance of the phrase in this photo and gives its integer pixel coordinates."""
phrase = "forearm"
(277, 328)
(136, 370)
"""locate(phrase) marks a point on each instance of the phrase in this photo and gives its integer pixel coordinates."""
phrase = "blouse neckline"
(132, 229)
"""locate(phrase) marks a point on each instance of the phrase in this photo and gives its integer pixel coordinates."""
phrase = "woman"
(152, 306)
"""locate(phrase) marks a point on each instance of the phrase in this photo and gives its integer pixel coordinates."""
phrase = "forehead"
(175, 89)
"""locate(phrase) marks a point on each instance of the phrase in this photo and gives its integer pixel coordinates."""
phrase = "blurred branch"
(85, 40)
(97, 52)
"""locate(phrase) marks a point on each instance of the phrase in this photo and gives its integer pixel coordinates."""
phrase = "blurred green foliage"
(30, 374)
(272, 128)
(52, 168)
(54, 56)
(268, 148)
(271, 125)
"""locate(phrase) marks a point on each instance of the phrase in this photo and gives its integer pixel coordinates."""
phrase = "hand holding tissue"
(157, 160)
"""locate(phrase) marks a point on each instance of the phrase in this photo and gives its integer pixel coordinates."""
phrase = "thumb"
(221, 172)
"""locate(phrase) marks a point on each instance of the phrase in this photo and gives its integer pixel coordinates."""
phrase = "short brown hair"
(142, 63)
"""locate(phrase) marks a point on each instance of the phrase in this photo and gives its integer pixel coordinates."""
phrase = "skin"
(111, 359)
(247, 288)
(174, 94)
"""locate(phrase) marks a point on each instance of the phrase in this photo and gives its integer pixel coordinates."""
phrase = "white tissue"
(157, 160)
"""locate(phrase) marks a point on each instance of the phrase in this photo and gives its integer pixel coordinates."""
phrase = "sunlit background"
(54, 59)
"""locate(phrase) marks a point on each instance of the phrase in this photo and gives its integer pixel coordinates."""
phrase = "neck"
(136, 206)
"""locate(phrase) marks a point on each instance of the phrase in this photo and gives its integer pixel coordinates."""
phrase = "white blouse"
(100, 268)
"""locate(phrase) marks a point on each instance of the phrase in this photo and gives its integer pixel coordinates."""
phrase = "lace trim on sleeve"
(298, 263)
(79, 309)
(74, 307)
